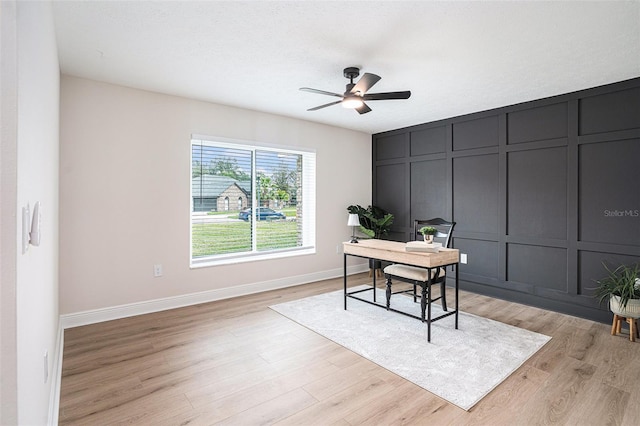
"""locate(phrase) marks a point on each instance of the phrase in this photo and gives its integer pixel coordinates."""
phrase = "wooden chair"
(420, 276)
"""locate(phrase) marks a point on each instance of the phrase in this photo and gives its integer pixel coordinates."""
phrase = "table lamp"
(353, 222)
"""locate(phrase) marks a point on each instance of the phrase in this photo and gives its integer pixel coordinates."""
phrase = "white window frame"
(308, 205)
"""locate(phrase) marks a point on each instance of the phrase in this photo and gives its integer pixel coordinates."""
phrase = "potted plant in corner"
(622, 287)
(375, 222)
(428, 232)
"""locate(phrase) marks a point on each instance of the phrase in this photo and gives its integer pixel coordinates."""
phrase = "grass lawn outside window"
(271, 235)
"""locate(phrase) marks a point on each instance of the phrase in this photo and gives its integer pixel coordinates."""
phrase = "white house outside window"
(279, 182)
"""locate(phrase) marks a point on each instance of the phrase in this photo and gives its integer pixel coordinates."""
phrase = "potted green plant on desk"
(428, 232)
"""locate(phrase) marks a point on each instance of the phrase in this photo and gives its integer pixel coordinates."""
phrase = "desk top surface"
(394, 251)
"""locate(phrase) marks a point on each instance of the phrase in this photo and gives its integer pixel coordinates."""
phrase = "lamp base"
(353, 240)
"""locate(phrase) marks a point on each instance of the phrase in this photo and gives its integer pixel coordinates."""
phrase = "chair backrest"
(445, 229)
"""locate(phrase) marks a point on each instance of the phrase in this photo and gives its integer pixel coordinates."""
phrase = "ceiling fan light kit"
(356, 93)
(352, 102)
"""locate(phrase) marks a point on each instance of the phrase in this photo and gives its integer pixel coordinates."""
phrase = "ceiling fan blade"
(387, 95)
(324, 106)
(319, 92)
(363, 109)
(365, 83)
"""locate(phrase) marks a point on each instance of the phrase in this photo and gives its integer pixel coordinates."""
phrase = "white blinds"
(250, 199)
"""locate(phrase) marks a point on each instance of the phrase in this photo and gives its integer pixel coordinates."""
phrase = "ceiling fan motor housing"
(351, 73)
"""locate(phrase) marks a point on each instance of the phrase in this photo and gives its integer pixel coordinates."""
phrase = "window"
(278, 182)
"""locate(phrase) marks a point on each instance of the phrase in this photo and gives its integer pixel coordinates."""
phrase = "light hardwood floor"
(237, 362)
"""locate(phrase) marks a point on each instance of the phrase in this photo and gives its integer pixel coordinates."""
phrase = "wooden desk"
(395, 252)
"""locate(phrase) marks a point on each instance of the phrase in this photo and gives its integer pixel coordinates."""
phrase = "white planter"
(428, 238)
(632, 310)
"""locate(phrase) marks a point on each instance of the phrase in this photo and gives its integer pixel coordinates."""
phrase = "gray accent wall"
(542, 192)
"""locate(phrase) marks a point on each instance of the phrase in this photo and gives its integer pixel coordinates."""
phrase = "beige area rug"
(461, 366)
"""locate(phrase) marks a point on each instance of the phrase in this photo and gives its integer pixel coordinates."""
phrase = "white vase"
(428, 238)
(632, 310)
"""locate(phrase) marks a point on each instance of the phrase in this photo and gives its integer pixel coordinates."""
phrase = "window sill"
(250, 257)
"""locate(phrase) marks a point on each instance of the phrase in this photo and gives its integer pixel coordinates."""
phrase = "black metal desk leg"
(457, 274)
(429, 307)
(374, 280)
(345, 280)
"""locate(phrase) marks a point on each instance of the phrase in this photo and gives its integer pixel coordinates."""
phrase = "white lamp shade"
(353, 220)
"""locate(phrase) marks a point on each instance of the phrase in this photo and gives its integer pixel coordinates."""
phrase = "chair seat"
(410, 272)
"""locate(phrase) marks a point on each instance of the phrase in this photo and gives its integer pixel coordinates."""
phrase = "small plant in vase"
(428, 232)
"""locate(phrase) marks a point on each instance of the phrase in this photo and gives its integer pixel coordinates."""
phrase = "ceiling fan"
(356, 93)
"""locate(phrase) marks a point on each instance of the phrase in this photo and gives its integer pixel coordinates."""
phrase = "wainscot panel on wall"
(477, 133)
(537, 194)
(392, 192)
(430, 179)
(618, 110)
(475, 193)
(428, 141)
(608, 213)
(591, 265)
(391, 147)
(538, 266)
(543, 192)
(537, 124)
(482, 258)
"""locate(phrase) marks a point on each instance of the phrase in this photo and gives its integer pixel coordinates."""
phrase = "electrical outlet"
(46, 366)
(157, 270)
(463, 258)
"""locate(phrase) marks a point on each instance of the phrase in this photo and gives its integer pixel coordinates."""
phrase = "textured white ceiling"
(455, 57)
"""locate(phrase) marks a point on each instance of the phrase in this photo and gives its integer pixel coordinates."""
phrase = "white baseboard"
(156, 305)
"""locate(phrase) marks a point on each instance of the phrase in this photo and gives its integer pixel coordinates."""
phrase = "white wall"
(29, 174)
(8, 208)
(125, 193)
